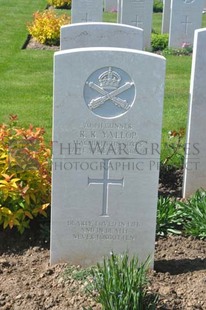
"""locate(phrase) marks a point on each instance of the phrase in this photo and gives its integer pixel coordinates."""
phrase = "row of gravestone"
(108, 103)
(135, 13)
(180, 17)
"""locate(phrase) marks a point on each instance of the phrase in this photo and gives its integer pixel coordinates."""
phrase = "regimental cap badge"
(109, 92)
(109, 79)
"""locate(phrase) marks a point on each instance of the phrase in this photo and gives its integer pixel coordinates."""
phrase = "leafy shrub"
(186, 50)
(25, 179)
(158, 6)
(182, 217)
(193, 212)
(121, 284)
(46, 25)
(168, 217)
(60, 3)
(159, 41)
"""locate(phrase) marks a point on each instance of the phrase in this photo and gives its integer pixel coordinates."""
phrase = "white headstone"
(119, 10)
(204, 5)
(100, 34)
(86, 11)
(186, 16)
(138, 13)
(166, 16)
(195, 157)
(107, 129)
(110, 5)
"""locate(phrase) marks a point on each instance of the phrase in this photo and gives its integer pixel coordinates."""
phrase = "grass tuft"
(120, 283)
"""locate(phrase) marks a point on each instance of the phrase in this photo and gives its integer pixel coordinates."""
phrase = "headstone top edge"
(107, 49)
(200, 30)
(104, 24)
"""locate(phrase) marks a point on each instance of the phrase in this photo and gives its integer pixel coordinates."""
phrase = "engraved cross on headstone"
(186, 23)
(106, 181)
(86, 19)
(137, 22)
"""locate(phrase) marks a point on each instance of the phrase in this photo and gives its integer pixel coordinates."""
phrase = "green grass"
(121, 284)
(157, 22)
(27, 75)
(176, 95)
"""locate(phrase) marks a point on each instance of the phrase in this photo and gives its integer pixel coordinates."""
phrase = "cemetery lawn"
(27, 280)
(26, 74)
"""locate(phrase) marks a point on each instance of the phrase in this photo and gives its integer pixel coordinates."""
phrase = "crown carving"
(109, 79)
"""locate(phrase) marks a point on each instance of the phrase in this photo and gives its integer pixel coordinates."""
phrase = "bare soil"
(31, 43)
(29, 282)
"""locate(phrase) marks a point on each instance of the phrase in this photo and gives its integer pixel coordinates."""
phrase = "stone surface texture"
(119, 10)
(86, 11)
(138, 13)
(100, 35)
(195, 163)
(105, 153)
(186, 17)
(166, 16)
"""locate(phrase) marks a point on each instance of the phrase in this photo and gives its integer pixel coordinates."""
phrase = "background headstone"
(119, 10)
(138, 13)
(195, 157)
(110, 5)
(108, 106)
(100, 34)
(186, 16)
(166, 16)
(86, 11)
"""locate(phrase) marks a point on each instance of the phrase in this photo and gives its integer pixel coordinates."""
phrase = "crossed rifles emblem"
(112, 95)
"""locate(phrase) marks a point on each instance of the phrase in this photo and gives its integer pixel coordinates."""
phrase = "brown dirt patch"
(29, 282)
(170, 181)
(31, 43)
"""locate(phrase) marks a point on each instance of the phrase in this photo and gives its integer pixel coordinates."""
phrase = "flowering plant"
(46, 25)
(25, 178)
